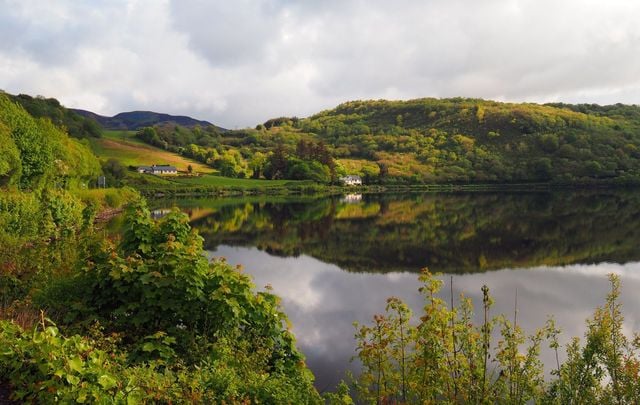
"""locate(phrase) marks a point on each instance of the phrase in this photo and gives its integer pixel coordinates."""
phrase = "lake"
(335, 260)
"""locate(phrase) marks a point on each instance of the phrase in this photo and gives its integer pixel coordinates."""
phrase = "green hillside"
(75, 124)
(471, 140)
(130, 151)
(35, 154)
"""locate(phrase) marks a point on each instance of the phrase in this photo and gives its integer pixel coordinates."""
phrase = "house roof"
(162, 168)
(165, 168)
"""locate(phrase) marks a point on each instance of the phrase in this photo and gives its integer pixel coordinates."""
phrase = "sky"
(238, 63)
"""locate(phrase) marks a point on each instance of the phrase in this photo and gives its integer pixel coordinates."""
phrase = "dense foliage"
(308, 160)
(144, 320)
(150, 319)
(438, 141)
(446, 358)
(471, 140)
(75, 124)
(38, 154)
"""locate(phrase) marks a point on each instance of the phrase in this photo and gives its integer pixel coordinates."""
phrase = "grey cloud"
(228, 33)
(239, 63)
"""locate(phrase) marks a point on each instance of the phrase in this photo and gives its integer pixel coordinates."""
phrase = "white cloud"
(239, 63)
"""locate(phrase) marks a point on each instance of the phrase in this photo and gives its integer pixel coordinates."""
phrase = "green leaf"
(149, 347)
(76, 364)
(107, 382)
(133, 399)
(72, 379)
(82, 397)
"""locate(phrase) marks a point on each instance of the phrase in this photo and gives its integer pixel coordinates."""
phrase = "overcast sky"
(237, 63)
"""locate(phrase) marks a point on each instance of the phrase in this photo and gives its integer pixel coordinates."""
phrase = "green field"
(123, 146)
(219, 181)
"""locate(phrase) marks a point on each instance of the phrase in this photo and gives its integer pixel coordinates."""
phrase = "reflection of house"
(351, 180)
(160, 212)
(352, 198)
(158, 169)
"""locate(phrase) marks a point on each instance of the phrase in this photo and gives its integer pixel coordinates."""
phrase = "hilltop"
(471, 140)
(135, 120)
(76, 125)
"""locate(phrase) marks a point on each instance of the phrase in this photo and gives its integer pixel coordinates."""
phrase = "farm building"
(351, 180)
(158, 169)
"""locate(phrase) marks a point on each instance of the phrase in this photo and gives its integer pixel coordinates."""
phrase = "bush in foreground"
(446, 358)
(151, 320)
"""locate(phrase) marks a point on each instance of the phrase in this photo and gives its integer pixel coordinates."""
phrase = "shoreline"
(326, 190)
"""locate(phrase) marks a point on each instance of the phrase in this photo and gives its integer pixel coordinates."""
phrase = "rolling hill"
(134, 120)
(464, 140)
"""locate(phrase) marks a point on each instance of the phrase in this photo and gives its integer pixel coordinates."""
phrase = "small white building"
(351, 180)
(158, 169)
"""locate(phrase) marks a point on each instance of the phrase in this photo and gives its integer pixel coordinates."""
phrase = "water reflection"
(457, 233)
(336, 260)
(322, 301)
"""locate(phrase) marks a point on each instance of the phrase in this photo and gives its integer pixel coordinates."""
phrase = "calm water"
(336, 260)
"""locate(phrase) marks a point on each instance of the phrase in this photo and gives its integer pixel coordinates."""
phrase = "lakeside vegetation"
(445, 357)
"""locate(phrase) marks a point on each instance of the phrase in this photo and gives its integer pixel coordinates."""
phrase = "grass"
(219, 181)
(123, 146)
(355, 166)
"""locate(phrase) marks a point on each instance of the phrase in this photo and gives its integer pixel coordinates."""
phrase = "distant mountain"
(134, 120)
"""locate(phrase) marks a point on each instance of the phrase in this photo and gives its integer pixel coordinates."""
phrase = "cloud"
(239, 63)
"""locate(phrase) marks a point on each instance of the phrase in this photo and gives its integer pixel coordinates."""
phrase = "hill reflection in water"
(451, 233)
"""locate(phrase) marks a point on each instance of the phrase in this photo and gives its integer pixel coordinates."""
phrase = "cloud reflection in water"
(322, 301)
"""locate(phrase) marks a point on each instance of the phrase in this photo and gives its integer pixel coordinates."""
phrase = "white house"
(158, 169)
(351, 180)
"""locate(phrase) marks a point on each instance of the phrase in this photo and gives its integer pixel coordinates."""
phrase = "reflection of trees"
(452, 233)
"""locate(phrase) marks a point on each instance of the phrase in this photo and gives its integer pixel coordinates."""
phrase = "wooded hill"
(472, 140)
(75, 124)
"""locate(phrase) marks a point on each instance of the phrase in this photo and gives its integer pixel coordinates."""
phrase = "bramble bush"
(187, 329)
